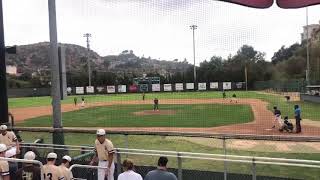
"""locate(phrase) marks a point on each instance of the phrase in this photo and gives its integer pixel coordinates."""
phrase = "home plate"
(268, 129)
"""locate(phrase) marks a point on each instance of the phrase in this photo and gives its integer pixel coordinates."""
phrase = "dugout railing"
(224, 156)
(253, 161)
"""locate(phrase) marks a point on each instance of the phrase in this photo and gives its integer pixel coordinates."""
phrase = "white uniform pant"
(102, 172)
(278, 120)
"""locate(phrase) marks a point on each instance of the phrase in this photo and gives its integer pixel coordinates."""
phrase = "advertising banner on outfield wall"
(202, 86)
(122, 88)
(100, 89)
(155, 87)
(143, 87)
(90, 89)
(190, 86)
(179, 86)
(227, 85)
(167, 87)
(79, 90)
(111, 89)
(240, 85)
(214, 85)
(133, 88)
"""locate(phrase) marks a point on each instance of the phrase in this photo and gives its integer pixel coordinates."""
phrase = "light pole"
(3, 78)
(308, 55)
(193, 28)
(87, 36)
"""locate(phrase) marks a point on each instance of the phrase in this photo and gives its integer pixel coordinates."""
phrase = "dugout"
(312, 94)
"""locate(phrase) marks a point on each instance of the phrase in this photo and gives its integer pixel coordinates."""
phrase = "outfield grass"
(46, 101)
(196, 115)
(309, 110)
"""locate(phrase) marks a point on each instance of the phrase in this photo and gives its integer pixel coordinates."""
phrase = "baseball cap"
(3, 147)
(29, 155)
(52, 156)
(101, 132)
(3, 127)
(68, 158)
(10, 153)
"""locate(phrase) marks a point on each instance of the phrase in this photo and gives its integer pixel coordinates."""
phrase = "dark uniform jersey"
(156, 101)
(29, 173)
(277, 112)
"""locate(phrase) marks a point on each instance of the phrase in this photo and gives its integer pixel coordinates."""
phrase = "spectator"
(29, 171)
(297, 115)
(10, 140)
(128, 173)
(161, 172)
(67, 174)
(104, 153)
(50, 170)
(4, 165)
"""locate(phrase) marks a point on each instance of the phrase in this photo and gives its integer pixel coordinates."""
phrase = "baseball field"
(251, 113)
(183, 112)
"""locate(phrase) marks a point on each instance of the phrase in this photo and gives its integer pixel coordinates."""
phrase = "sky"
(158, 28)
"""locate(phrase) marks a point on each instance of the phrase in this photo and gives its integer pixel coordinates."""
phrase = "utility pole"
(88, 35)
(193, 28)
(54, 63)
(308, 54)
(3, 78)
(57, 136)
(246, 76)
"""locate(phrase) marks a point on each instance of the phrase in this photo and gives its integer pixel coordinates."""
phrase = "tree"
(284, 53)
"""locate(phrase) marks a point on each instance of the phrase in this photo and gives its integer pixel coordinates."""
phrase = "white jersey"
(129, 175)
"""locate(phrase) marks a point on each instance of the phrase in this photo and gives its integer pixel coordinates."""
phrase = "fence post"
(118, 162)
(179, 166)
(254, 173)
(126, 139)
(225, 157)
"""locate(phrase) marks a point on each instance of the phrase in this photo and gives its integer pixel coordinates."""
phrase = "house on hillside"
(11, 69)
(309, 30)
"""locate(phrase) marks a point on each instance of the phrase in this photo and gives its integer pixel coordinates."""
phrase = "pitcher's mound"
(151, 112)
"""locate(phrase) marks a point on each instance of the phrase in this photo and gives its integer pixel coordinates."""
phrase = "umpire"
(297, 116)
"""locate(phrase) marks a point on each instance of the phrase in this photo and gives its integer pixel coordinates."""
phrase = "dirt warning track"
(261, 125)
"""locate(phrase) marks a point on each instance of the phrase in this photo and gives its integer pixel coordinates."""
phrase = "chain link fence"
(307, 148)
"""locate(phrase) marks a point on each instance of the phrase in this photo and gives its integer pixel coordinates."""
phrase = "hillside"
(34, 59)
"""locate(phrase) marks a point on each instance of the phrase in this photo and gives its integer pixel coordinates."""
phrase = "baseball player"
(277, 117)
(75, 101)
(234, 98)
(67, 174)
(82, 102)
(50, 170)
(104, 153)
(29, 171)
(10, 140)
(155, 104)
(4, 165)
(143, 96)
